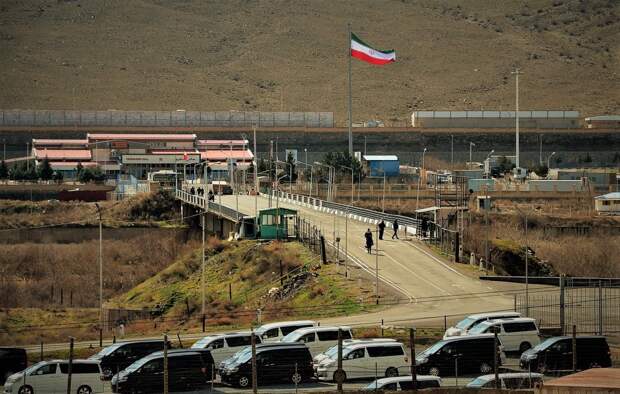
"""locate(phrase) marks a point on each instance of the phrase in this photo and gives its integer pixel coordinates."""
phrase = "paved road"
(433, 286)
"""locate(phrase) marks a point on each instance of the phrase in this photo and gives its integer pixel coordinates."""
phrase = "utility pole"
(100, 265)
(202, 279)
(256, 185)
(486, 225)
(527, 298)
(517, 72)
(471, 144)
(350, 101)
(377, 268)
(452, 152)
(540, 160)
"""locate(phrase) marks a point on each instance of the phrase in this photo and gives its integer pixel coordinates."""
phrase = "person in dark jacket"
(381, 229)
(395, 226)
(369, 242)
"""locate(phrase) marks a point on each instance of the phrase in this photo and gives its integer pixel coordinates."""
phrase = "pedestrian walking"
(369, 242)
(192, 190)
(381, 229)
(395, 227)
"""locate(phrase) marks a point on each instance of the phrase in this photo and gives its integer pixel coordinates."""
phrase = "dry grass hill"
(291, 55)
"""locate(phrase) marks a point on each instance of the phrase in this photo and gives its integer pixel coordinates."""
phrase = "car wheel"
(485, 368)
(296, 378)
(26, 390)
(391, 372)
(243, 381)
(84, 390)
(524, 347)
(342, 374)
(433, 371)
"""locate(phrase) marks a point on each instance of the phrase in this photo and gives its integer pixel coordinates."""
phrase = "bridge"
(426, 284)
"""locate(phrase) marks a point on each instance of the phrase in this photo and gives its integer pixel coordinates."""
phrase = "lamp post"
(352, 181)
(330, 179)
(311, 170)
(100, 265)
(549, 161)
(452, 152)
(471, 144)
(417, 197)
(517, 72)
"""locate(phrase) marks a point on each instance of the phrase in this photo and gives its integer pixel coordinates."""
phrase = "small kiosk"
(276, 223)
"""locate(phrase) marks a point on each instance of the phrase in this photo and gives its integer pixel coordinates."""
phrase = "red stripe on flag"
(369, 59)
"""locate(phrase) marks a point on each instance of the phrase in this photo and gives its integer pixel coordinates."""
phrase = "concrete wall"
(60, 118)
(496, 119)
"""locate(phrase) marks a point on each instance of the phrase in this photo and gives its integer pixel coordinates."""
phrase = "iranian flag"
(362, 51)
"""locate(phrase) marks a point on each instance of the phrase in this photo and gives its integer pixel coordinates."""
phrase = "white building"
(608, 204)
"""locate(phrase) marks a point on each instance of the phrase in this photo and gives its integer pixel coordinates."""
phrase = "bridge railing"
(362, 214)
(201, 202)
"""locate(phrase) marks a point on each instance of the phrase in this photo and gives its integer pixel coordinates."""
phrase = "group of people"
(201, 192)
(381, 227)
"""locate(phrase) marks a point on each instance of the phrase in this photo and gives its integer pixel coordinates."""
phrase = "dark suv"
(188, 369)
(469, 353)
(556, 354)
(275, 362)
(117, 357)
(11, 360)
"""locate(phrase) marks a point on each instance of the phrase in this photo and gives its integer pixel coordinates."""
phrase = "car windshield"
(433, 349)
(32, 368)
(465, 323)
(137, 364)
(243, 358)
(479, 329)
(202, 343)
(237, 355)
(545, 344)
(371, 386)
(331, 352)
(107, 350)
(291, 337)
(478, 382)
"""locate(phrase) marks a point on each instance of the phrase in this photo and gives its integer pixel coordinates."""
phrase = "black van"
(188, 369)
(12, 360)
(117, 357)
(275, 362)
(556, 354)
(470, 354)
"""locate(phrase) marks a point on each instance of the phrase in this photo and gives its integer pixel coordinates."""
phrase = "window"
(424, 384)
(268, 220)
(82, 368)
(562, 347)
(519, 327)
(385, 351)
(389, 387)
(327, 335)
(273, 333)
(346, 334)
(239, 341)
(307, 338)
(153, 366)
(357, 353)
(46, 370)
(289, 329)
(217, 344)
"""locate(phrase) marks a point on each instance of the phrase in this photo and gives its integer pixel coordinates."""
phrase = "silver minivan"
(52, 377)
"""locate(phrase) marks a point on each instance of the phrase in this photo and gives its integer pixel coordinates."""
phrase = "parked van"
(273, 332)
(471, 321)
(187, 370)
(12, 360)
(470, 354)
(120, 355)
(275, 362)
(318, 339)
(519, 334)
(508, 381)
(404, 383)
(556, 354)
(224, 346)
(365, 360)
(332, 352)
(52, 377)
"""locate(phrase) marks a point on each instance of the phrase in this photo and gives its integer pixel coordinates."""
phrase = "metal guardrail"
(213, 207)
(362, 214)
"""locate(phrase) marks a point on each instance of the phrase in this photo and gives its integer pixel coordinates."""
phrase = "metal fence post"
(254, 375)
(165, 364)
(412, 347)
(70, 366)
(562, 306)
(600, 307)
(574, 348)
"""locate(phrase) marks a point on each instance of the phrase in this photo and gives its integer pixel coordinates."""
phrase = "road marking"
(437, 260)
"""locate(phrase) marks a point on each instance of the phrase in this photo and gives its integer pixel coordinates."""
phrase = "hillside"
(252, 270)
(291, 55)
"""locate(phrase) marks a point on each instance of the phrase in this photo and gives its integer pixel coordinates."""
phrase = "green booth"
(276, 223)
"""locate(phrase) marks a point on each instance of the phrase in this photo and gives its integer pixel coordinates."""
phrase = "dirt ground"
(292, 55)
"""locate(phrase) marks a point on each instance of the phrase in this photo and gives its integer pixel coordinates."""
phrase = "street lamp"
(100, 266)
(311, 170)
(549, 161)
(471, 144)
(352, 181)
(417, 197)
(330, 179)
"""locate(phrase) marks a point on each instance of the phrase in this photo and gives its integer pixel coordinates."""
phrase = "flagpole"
(350, 105)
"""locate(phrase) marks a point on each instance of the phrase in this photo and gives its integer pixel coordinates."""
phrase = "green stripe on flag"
(356, 38)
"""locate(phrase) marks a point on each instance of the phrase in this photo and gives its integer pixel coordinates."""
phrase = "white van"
(367, 360)
(332, 352)
(273, 332)
(223, 346)
(508, 381)
(463, 327)
(318, 339)
(52, 377)
(404, 383)
(518, 334)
